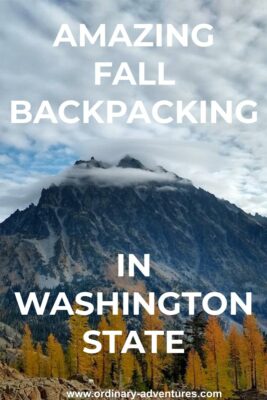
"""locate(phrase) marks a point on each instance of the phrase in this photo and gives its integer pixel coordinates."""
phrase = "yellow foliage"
(80, 362)
(155, 362)
(28, 353)
(122, 364)
(56, 359)
(103, 362)
(41, 362)
(216, 352)
(235, 347)
(253, 353)
(194, 371)
(265, 371)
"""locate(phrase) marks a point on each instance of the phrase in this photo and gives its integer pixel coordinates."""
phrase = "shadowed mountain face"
(73, 235)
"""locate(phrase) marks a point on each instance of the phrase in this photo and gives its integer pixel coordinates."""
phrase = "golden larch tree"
(56, 360)
(235, 348)
(79, 361)
(216, 351)
(61, 365)
(122, 364)
(155, 362)
(50, 347)
(103, 358)
(194, 371)
(265, 371)
(245, 380)
(254, 352)
(28, 353)
(41, 361)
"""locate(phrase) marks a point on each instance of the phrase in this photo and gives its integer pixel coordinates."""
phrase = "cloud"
(5, 159)
(27, 189)
(117, 176)
(229, 161)
(19, 194)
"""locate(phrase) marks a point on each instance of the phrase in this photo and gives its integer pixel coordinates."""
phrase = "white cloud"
(228, 161)
(117, 176)
(18, 194)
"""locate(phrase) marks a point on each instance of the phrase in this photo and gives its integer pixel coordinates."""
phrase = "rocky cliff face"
(72, 236)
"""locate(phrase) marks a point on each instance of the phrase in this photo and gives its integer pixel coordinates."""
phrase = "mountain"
(71, 238)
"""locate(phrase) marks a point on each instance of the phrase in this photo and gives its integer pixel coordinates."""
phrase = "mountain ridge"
(73, 235)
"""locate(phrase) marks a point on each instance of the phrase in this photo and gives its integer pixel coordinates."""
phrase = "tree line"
(213, 360)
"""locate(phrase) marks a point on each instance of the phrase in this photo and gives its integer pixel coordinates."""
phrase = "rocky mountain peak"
(125, 162)
(92, 163)
(130, 162)
(72, 236)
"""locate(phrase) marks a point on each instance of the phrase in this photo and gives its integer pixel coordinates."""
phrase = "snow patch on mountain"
(47, 282)
(46, 247)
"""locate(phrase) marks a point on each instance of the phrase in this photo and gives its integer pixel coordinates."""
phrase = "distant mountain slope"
(73, 235)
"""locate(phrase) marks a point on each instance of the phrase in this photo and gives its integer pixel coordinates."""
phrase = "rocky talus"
(15, 386)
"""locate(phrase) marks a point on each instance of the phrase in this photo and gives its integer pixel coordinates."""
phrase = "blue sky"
(229, 161)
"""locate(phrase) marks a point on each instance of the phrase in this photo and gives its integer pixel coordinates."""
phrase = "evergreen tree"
(194, 331)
